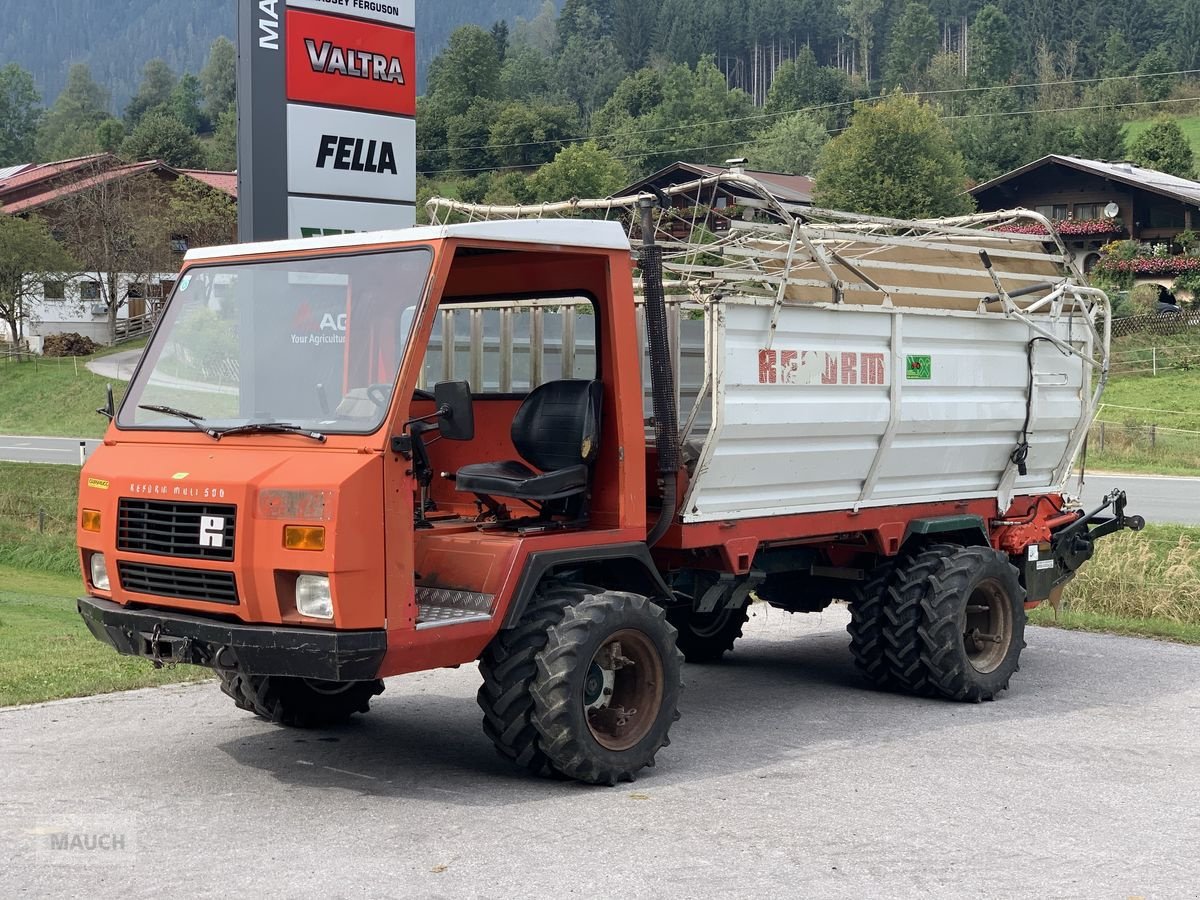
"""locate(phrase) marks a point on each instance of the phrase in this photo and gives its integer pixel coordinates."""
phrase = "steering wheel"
(379, 394)
(419, 394)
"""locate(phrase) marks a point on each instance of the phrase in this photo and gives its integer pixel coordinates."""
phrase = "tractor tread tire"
(949, 673)
(707, 648)
(508, 668)
(901, 619)
(293, 703)
(559, 714)
(866, 627)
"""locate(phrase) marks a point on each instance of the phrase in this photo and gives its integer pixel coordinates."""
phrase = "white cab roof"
(543, 232)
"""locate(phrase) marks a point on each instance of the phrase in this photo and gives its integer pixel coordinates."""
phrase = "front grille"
(183, 584)
(189, 530)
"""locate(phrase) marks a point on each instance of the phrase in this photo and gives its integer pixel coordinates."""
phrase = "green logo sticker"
(919, 368)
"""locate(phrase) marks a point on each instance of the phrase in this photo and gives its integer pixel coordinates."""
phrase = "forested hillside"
(116, 38)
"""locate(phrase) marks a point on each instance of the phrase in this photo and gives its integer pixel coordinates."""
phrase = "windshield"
(314, 342)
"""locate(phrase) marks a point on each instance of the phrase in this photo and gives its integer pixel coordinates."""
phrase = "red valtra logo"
(349, 63)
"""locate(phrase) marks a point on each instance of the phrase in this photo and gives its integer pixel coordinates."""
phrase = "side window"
(511, 347)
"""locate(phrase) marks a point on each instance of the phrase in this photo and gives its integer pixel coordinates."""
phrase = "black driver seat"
(556, 429)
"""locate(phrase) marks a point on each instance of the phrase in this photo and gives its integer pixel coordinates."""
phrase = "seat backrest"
(558, 425)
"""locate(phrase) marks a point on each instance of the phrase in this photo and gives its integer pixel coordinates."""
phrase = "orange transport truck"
(349, 458)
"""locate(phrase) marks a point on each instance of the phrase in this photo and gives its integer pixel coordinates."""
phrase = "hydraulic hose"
(662, 376)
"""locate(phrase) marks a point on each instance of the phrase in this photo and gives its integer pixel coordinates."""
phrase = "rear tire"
(607, 688)
(299, 702)
(973, 628)
(706, 637)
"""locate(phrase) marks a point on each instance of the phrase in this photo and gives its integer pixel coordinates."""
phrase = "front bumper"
(170, 637)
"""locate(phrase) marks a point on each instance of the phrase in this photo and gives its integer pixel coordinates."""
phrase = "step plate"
(440, 607)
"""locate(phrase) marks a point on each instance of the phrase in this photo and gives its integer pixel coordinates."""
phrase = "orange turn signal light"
(304, 537)
(91, 520)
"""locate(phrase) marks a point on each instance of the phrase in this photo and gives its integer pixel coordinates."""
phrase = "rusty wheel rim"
(623, 690)
(987, 626)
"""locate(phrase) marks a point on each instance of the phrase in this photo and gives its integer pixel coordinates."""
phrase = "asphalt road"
(786, 778)
(1158, 500)
(64, 451)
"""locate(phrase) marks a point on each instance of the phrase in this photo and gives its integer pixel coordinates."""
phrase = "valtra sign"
(326, 113)
(350, 64)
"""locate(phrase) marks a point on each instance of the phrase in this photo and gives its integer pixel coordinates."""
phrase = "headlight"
(99, 572)
(313, 598)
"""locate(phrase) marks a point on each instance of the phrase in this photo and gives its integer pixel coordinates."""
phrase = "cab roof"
(542, 232)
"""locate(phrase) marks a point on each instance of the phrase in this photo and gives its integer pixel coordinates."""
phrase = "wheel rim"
(987, 626)
(627, 670)
(328, 688)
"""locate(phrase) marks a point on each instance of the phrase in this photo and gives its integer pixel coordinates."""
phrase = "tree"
(1164, 147)
(589, 71)
(633, 31)
(218, 78)
(20, 111)
(1101, 135)
(583, 170)
(154, 93)
(185, 101)
(466, 71)
(527, 134)
(801, 84)
(528, 74)
(114, 229)
(500, 36)
(860, 17)
(896, 159)
(69, 127)
(29, 257)
(991, 47)
(110, 134)
(1153, 84)
(160, 136)
(792, 145)
(206, 216)
(221, 153)
(913, 43)
(469, 136)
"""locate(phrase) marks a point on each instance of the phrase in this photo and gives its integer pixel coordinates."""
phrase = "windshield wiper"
(196, 420)
(269, 428)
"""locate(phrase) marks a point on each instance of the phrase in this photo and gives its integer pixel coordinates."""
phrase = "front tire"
(299, 702)
(607, 688)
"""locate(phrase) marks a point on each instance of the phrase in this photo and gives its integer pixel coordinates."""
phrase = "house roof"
(226, 182)
(1127, 173)
(36, 186)
(786, 188)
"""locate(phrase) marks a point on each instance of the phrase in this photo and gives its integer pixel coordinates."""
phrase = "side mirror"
(455, 410)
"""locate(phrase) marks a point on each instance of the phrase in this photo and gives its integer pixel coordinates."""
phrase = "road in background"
(785, 777)
(1161, 501)
(63, 451)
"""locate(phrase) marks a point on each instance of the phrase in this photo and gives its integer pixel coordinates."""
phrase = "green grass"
(55, 397)
(37, 517)
(46, 652)
(1136, 398)
(1161, 629)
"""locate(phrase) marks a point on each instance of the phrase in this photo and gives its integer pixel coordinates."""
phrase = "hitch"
(1107, 525)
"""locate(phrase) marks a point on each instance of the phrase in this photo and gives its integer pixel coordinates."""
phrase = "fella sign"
(326, 117)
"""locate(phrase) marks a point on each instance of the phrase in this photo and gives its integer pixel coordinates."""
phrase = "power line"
(817, 108)
(756, 141)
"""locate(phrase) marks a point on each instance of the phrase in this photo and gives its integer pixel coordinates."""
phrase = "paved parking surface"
(786, 778)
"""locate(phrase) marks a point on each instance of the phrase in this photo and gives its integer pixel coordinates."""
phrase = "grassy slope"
(1190, 125)
(47, 653)
(25, 492)
(55, 397)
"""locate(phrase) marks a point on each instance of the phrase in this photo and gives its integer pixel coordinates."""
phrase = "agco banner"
(326, 117)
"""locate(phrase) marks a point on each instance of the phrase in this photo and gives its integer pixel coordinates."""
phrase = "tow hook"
(1074, 544)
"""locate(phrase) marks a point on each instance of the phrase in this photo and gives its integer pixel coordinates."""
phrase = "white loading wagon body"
(852, 363)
